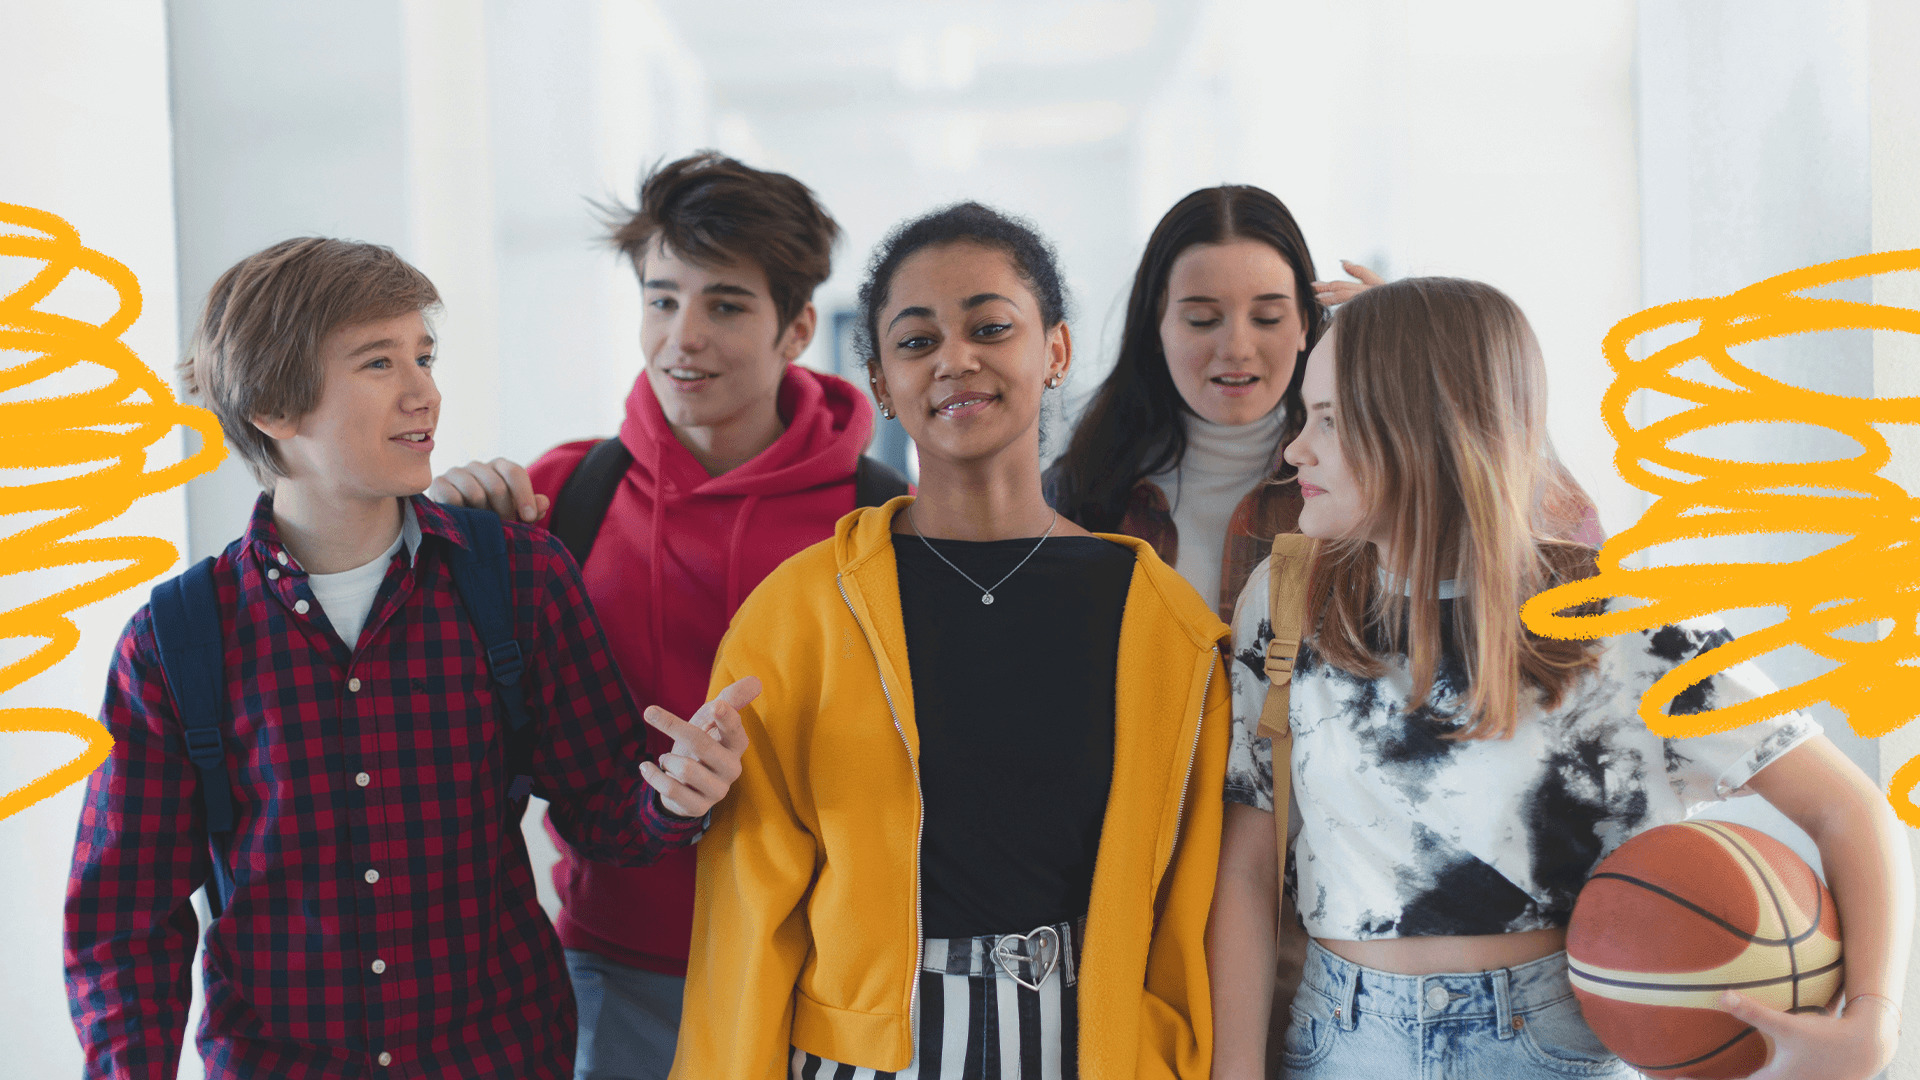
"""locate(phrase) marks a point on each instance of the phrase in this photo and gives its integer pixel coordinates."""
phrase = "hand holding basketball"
(1805, 1046)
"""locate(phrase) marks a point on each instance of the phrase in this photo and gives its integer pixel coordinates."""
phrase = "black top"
(1014, 702)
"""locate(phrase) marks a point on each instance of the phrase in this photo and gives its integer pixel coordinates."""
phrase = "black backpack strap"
(186, 628)
(480, 574)
(583, 500)
(874, 482)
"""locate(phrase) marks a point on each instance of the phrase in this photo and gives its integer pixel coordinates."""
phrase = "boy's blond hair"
(256, 349)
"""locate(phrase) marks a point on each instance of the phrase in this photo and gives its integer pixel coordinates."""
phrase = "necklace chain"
(986, 594)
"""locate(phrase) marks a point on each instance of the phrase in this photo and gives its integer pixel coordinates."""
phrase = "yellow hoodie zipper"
(920, 808)
(1193, 755)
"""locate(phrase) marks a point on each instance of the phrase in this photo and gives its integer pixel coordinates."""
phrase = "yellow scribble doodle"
(110, 425)
(1872, 574)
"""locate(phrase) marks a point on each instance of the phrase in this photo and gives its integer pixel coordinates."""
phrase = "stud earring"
(1054, 381)
(886, 410)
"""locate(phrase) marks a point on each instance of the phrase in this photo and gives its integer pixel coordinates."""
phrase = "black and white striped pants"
(978, 1023)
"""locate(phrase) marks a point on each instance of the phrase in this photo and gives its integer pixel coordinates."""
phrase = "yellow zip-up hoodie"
(806, 925)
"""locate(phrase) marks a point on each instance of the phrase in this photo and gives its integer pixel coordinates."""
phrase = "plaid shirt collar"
(420, 517)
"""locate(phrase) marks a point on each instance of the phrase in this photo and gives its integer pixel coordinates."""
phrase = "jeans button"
(1436, 997)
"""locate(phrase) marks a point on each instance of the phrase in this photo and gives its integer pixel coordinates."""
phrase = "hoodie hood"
(828, 424)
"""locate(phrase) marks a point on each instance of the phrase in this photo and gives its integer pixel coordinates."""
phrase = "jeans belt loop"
(1502, 980)
(1349, 1017)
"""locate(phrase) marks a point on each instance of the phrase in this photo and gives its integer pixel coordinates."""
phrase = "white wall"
(1895, 138)
(471, 139)
(83, 127)
(1754, 160)
(1491, 139)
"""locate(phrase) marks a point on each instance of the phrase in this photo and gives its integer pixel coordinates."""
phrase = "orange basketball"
(1682, 912)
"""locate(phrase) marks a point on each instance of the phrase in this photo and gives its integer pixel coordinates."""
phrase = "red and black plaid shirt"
(383, 921)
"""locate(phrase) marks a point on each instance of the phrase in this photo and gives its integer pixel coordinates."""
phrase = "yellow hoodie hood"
(807, 916)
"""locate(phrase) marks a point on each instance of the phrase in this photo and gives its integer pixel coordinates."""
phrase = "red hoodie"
(678, 551)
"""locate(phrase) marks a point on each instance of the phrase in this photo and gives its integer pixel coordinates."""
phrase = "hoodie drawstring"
(733, 553)
(657, 560)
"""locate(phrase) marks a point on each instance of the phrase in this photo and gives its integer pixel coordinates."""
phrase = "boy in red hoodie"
(730, 459)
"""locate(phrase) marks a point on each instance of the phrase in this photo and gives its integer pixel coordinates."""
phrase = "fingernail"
(528, 513)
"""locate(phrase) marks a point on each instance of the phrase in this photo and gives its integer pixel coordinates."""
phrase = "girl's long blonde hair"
(1442, 412)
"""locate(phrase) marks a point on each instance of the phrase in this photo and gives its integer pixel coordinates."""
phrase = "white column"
(450, 215)
(1754, 161)
(85, 136)
(1895, 97)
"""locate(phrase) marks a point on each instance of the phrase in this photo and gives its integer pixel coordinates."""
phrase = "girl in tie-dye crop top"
(1456, 777)
(1403, 831)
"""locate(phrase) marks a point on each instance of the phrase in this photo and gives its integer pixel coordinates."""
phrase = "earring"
(1054, 381)
(886, 410)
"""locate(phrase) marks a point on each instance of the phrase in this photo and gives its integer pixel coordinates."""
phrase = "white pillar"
(1895, 97)
(1754, 161)
(86, 137)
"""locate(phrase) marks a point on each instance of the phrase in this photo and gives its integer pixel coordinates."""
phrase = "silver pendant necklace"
(986, 594)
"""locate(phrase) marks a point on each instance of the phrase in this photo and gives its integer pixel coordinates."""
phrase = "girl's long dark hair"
(1131, 429)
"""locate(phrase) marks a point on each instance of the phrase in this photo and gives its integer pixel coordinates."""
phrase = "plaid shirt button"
(300, 606)
(273, 575)
(384, 1058)
(373, 876)
(362, 779)
(282, 556)
(353, 685)
(379, 967)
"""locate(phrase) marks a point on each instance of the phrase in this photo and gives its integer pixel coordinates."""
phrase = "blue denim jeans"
(1355, 1022)
(629, 1019)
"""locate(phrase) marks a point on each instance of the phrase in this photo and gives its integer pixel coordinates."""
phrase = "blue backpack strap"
(480, 573)
(186, 627)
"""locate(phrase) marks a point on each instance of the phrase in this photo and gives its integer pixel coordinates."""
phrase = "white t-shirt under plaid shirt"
(1402, 833)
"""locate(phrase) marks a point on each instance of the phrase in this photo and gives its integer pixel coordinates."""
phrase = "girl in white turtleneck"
(1180, 446)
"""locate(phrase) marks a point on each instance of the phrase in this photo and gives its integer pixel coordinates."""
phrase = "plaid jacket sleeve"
(139, 855)
(592, 738)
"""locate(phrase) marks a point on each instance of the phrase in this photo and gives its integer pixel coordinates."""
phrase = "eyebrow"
(968, 304)
(1212, 300)
(1318, 405)
(387, 343)
(908, 313)
(716, 289)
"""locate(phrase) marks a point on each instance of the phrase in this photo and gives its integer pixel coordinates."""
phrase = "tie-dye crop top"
(1401, 833)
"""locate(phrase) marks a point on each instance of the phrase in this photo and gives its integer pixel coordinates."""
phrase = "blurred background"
(1590, 159)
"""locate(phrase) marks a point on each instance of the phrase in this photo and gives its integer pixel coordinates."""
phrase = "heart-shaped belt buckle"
(1039, 949)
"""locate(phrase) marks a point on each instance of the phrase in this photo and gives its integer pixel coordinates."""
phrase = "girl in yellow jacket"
(977, 824)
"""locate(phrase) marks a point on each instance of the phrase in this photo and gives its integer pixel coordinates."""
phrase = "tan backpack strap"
(1286, 612)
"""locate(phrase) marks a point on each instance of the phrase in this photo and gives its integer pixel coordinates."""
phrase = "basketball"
(1683, 912)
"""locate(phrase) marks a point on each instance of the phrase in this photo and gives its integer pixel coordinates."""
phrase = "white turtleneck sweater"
(1221, 466)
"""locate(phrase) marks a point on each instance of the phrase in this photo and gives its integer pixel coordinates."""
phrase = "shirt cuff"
(672, 829)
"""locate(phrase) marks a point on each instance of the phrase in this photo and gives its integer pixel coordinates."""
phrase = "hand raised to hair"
(499, 485)
(1332, 293)
(705, 759)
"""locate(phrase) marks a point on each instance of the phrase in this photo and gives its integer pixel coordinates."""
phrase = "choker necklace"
(986, 594)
